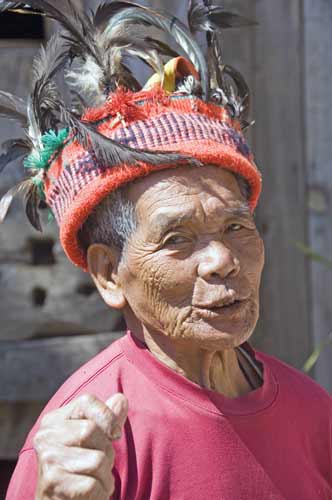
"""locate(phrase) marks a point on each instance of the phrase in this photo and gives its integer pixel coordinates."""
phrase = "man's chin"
(219, 332)
(220, 340)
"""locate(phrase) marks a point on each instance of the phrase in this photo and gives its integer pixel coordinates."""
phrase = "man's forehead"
(184, 179)
(206, 177)
(164, 218)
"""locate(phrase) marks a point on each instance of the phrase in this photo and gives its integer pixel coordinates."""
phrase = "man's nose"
(218, 260)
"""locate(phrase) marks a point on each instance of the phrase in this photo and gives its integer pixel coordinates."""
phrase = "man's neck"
(215, 370)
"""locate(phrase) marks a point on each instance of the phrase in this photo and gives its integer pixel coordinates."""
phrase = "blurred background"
(52, 318)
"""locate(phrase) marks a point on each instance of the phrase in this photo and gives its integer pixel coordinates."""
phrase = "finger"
(118, 403)
(85, 406)
(81, 433)
(56, 481)
(79, 461)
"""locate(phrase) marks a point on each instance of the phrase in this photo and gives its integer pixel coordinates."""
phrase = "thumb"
(118, 404)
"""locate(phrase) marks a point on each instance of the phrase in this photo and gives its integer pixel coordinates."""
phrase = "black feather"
(32, 200)
(202, 17)
(76, 23)
(111, 153)
(161, 47)
(10, 5)
(18, 8)
(78, 105)
(241, 100)
(15, 149)
(82, 39)
(24, 187)
(137, 16)
(13, 107)
(147, 49)
(45, 96)
(105, 11)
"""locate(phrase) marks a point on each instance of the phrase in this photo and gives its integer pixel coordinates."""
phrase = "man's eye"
(175, 240)
(234, 227)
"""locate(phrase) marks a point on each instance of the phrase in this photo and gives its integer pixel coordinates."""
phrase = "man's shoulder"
(89, 374)
(89, 378)
(297, 385)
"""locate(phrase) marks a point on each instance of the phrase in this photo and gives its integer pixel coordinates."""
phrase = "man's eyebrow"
(242, 210)
(164, 221)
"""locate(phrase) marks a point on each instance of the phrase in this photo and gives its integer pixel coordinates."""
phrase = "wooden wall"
(287, 61)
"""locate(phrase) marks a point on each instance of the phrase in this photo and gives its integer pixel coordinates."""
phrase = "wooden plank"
(34, 370)
(317, 21)
(70, 302)
(278, 143)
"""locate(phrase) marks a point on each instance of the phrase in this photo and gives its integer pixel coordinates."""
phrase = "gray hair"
(114, 220)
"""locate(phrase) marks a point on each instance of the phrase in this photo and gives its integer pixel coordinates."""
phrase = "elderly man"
(182, 407)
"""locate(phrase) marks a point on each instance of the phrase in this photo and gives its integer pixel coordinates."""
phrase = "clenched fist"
(74, 449)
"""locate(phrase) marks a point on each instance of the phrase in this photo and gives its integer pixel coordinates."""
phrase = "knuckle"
(89, 429)
(86, 399)
(107, 417)
(47, 456)
(90, 486)
(99, 460)
(51, 478)
(39, 440)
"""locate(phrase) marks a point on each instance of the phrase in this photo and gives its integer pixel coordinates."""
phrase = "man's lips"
(214, 311)
(218, 304)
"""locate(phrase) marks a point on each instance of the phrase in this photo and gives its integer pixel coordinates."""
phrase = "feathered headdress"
(107, 134)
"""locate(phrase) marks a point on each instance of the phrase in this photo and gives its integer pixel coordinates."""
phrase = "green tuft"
(50, 216)
(52, 142)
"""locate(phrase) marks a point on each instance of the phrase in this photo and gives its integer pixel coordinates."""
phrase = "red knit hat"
(75, 183)
(163, 117)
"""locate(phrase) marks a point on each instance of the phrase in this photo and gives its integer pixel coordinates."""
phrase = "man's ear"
(102, 264)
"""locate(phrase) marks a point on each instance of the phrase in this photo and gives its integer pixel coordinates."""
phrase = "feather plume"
(208, 17)
(17, 8)
(10, 6)
(28, 189)
(45, 96)
(13, 107)
(77, 104)
(148, 50)
(15, 149)
(32, 200)
(239, 99)
(81, 40)
(169, 25)
(105, 11)
(215, 61)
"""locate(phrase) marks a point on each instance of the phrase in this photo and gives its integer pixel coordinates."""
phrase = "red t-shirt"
(183, 442)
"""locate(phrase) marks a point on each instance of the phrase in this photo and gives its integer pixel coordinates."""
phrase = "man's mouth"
(225, 306)
(213, 311)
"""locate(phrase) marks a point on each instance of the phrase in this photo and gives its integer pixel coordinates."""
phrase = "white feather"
(86, 78)
(33, 129)
(8, 198)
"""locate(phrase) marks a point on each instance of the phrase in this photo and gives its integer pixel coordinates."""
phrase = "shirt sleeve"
(23, 483)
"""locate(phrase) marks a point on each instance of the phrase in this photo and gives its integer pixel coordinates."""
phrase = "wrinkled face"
(192, 268)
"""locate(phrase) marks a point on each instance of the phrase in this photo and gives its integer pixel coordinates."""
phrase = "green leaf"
(313, 358)
(309, 252)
